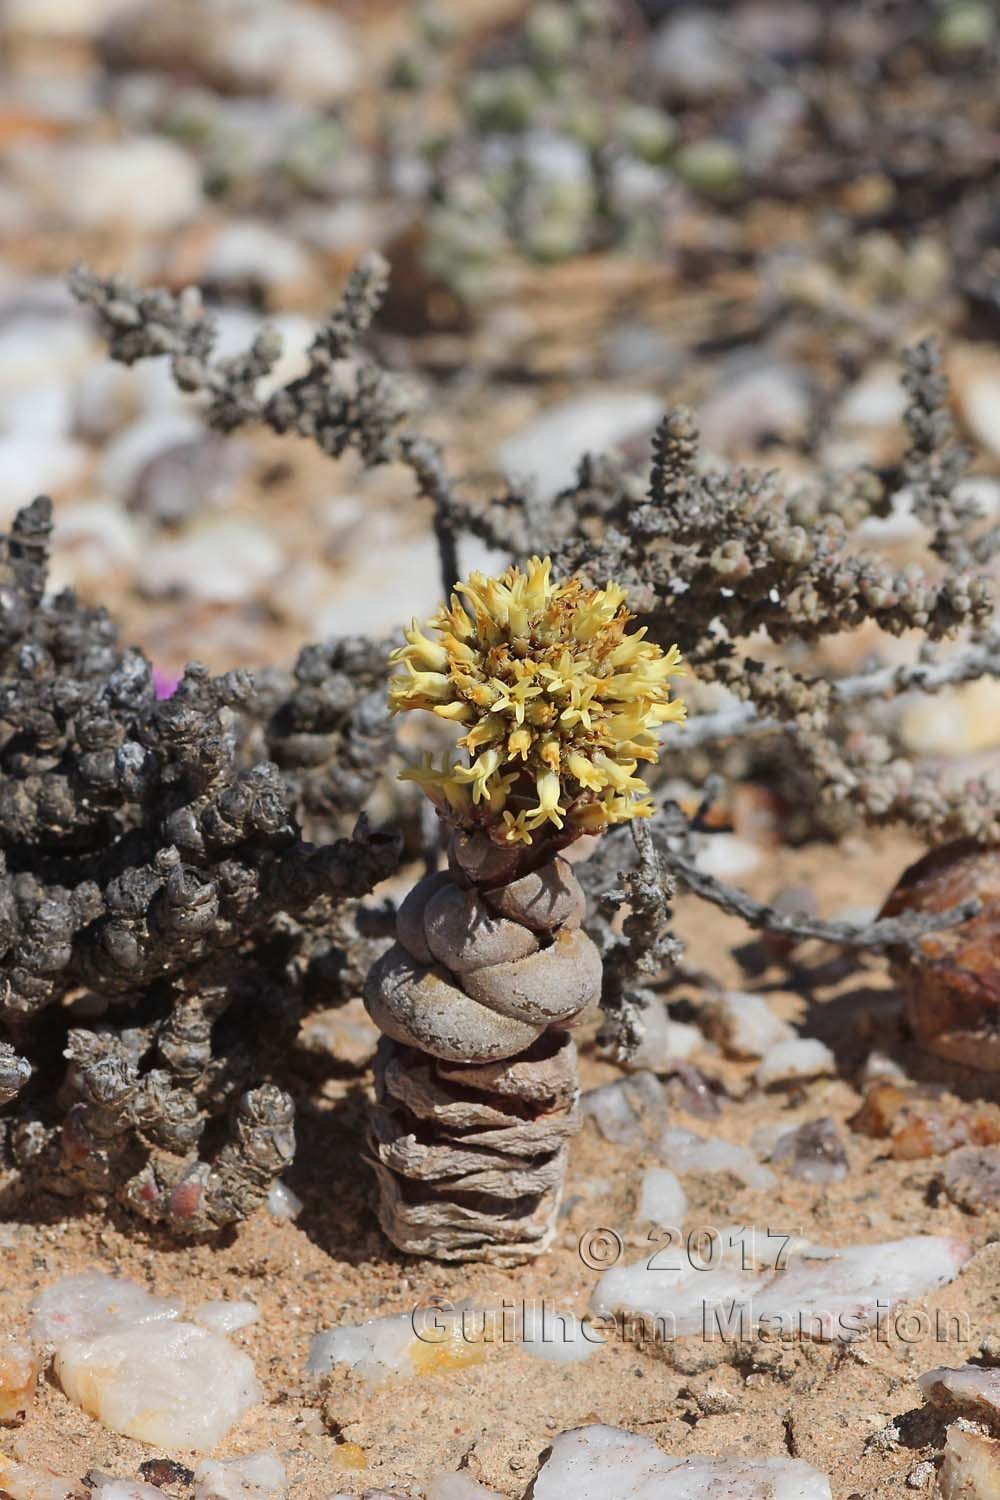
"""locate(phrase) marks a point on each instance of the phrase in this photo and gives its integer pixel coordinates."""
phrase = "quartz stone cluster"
(476, 1082)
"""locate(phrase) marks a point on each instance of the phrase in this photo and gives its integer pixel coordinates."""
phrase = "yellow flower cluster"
(557, 700)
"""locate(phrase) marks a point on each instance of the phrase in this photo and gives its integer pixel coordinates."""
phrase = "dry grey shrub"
(716, 561)
(719, 561)
(161, 912)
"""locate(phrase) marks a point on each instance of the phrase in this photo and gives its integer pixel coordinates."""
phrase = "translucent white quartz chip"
(662, 1200)
(168, 1383)
(378, 1348)
(259, 1476)
(838, 1294)
(459, 1487)
(741, 1280)
(92, 1303)
(22, 1482)
(802, 1057)
(971, 1468)
(606, 1463)
(225, 1317)
(973, 1390)
(687, 1152)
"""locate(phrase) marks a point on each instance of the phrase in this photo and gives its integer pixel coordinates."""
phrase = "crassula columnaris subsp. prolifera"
(556, 701)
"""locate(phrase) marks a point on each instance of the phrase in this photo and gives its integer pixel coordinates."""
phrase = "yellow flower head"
(557, 699)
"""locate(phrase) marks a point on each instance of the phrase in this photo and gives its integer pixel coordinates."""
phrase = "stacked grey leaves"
(476, 1078)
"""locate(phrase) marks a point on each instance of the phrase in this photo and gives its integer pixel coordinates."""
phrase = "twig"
(981, 659)
(888, 932)
(345, 400)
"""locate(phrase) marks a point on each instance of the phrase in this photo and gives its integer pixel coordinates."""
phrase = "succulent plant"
(156, 892)
(557, 701)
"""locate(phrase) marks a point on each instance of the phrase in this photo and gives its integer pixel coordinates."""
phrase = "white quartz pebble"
(22, 1482)
(94, 1303)
(225, 1317)
(837, 1294)
(375, 1349)
(258, 1476)
(144, 183)
(459, 1487)
(664, 1041)
(746, 1025)
(627, 1111)
(282, 1203)
(662, 1200)
(607, 1463)
(687, 1152)
(971, 1468)
(169, 1383)
(19, 1366)
(974, 1390)
(550, 447)
(126, 1489)
(560, 1337)
(726, 856)
(802, 1057)
(677, 1292)
(741, 1281)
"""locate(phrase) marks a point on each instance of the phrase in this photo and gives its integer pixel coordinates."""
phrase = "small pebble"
(970, 1389)
(171, 1384)
(813, 1152)
(628, 1111)
(607, 1463)
(18, 1378)
(165, 1471)
(971, 1177)
(687, 1152)
(22, 1482)
(726, 856)
(688, 1089)
(755, 404)
(144, 184)
(549, 449)
(664, 1040)
(751, 1278)
(971, 1468)
(950, 978)
(559, 1337)
(459, 1487)
(282, 1203)
(745, 1024)
(93, 1303)
(801, 1058)
(258, 1476)
(225, 1317)
(662, 1200)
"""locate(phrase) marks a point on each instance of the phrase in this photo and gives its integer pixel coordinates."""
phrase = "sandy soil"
(824, 1404)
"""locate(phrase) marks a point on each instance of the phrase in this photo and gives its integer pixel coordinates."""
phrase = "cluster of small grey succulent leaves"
(182, 878)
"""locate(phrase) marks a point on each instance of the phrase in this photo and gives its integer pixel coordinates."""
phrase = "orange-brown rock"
(951, 978)
(918, 1123)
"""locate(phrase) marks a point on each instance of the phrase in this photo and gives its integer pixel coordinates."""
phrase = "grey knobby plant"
(162, 912)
